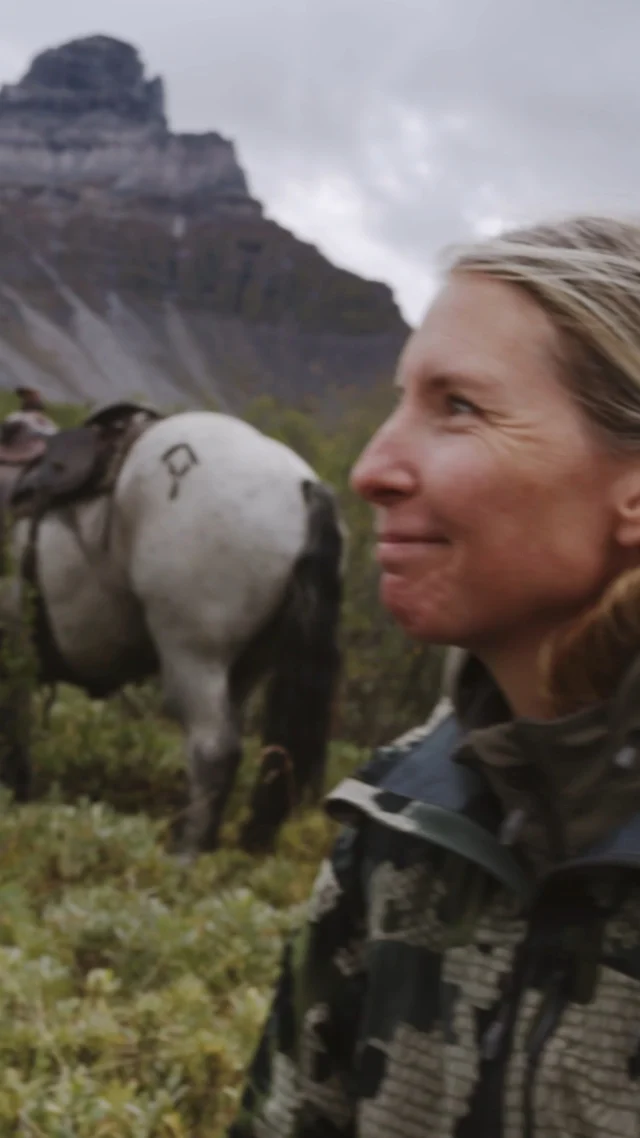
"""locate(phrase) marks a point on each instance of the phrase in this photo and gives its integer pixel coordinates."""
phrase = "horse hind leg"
(202, 702)
(16, 708)
(15, 762)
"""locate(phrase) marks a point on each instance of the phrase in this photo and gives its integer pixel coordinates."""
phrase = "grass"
(133, 988)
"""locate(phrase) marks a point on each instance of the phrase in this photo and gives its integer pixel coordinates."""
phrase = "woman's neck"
(518, 674)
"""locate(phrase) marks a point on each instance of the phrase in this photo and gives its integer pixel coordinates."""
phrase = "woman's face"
(496, 504)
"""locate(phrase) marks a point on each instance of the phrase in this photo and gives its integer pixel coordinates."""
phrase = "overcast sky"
(382, 130)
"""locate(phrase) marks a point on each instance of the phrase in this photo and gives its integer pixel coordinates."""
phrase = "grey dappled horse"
(215, 561)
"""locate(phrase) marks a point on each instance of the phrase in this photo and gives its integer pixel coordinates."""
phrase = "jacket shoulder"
(386, 758)
(415, 788)
(416, 765)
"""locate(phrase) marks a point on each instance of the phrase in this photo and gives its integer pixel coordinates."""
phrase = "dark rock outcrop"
(97, 74)
(135, 260)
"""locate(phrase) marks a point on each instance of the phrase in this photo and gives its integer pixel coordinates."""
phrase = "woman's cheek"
(457, 481)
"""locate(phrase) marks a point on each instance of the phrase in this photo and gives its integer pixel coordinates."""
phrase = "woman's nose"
(382, 475)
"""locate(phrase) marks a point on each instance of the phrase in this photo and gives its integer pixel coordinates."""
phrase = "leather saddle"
(77, 462)
(19, 444)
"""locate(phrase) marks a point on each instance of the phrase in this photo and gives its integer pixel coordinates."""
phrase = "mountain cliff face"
(136, 262)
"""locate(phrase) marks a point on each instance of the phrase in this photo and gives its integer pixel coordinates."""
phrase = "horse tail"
(302, 686)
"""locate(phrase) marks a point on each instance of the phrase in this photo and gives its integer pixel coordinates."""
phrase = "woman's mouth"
(394, 550)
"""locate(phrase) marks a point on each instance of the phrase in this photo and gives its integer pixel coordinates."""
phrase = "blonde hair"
(585, 273)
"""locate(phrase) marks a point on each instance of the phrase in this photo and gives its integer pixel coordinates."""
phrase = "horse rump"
(304, 673)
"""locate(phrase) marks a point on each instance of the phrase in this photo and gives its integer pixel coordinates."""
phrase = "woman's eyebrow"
(446, 380)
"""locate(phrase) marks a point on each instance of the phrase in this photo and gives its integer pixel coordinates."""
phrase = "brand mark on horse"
(179, 460)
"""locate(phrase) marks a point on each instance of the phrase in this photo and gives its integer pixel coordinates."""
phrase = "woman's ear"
(627, 503)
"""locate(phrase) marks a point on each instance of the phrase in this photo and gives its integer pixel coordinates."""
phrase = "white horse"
(216, 559)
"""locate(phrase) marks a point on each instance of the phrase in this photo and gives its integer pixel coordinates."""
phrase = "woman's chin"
(418, 619)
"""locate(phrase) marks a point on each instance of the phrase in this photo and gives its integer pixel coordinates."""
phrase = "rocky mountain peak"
(136, 262)
(86, 121)
(97, 75)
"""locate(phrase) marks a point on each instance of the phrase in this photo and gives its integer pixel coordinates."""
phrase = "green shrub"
(132, 987)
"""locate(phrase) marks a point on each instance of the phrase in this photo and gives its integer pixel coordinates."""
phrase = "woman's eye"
(458, 405)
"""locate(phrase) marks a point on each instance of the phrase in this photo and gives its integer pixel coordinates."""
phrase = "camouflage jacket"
(470, 962)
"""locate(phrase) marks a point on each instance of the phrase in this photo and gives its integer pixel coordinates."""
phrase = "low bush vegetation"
(132, 987)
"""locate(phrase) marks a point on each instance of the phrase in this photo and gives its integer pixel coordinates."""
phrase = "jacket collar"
(565, 784)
